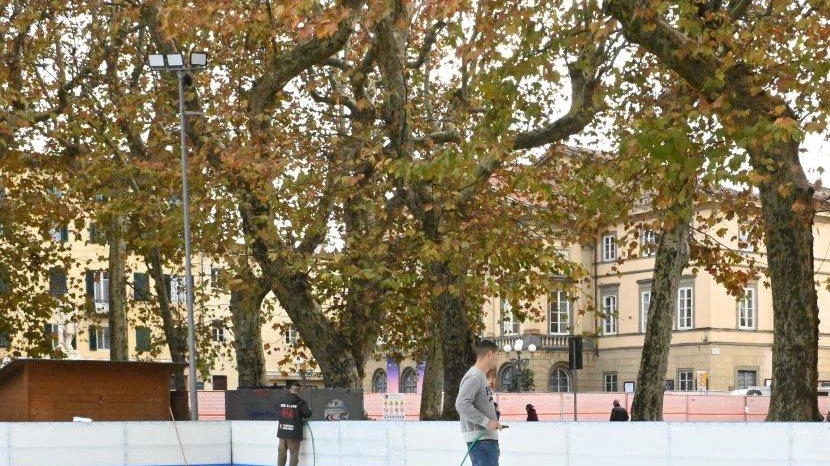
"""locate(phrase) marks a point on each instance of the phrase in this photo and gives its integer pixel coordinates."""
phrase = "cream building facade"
(719, 343)
(84, 333)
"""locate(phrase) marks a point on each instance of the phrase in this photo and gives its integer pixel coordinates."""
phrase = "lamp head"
(175, 60)
(156, 61)
(198, 59)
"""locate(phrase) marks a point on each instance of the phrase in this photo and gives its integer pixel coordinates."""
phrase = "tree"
(739, 60)
(279, 255)
(33, 99)
(442, 186)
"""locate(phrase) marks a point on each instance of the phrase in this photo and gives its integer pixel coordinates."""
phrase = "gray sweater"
(475, 406)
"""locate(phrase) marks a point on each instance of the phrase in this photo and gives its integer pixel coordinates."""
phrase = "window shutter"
(57, 282)
(90, 284)
(141, 282)
(93, 338)
(142, 339)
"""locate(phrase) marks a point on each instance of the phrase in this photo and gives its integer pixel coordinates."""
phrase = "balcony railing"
(542, 342)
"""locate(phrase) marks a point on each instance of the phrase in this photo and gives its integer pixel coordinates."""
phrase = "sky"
(815, 157)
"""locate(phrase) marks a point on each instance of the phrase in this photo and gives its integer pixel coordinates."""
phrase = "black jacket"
(291, 410)
(618, 413)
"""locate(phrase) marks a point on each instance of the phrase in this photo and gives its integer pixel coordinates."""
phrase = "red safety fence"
(211, 405)
(560, 406)
(597, 406)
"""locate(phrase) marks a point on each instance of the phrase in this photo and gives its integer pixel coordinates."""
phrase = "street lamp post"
(519, 362)
(175, 62)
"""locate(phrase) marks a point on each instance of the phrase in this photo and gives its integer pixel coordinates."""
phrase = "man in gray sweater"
(477, 409)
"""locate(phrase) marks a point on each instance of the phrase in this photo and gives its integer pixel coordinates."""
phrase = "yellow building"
(719, 343)
(84, 333)
(717, 338)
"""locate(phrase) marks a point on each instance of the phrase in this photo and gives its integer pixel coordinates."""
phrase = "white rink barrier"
(225, 443)
(114, 443)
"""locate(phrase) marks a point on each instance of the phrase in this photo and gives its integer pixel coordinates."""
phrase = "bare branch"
(429, 41)
(438, 137)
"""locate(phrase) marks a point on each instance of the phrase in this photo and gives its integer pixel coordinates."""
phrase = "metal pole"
(188, 276)
(575, 391)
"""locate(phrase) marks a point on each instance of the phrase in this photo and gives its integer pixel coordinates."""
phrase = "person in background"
(291, 411)
(531, 413)
(618, 413)
(477, 410)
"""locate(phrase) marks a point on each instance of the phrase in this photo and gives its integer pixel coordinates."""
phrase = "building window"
(99, 338)
(510, 324)
(559, 381)
(220, 382)
(747, 310)
(669, 385)
(379, 381)
(217, 332)
(141, 287)
(746, 379)
(217, 277)
(178, 291)
(5, 340)
(609, 383)
(96, 236)
(686, 380)
(685, 308)
(744, 235)
(100, 285)
(57, 282)
(559, 313)
(291, 335)
(53, 334)
(609, 247)
(409, 381)
(645, 301)
(648, 243)
(98, 289)
(142, 339)
(60, 234)
(609, 311)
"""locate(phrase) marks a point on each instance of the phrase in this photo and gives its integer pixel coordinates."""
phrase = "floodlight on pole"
(198, 59)
(175, 62)
(156, 61)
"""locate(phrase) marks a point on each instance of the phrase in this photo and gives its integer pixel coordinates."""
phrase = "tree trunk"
(361, 320)
(329, 347)
(433, 385)
(247, 294)
(788, 210)
(458, 340)
(671, 258)
(173, 332)
(119, 350)
(769, 131)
